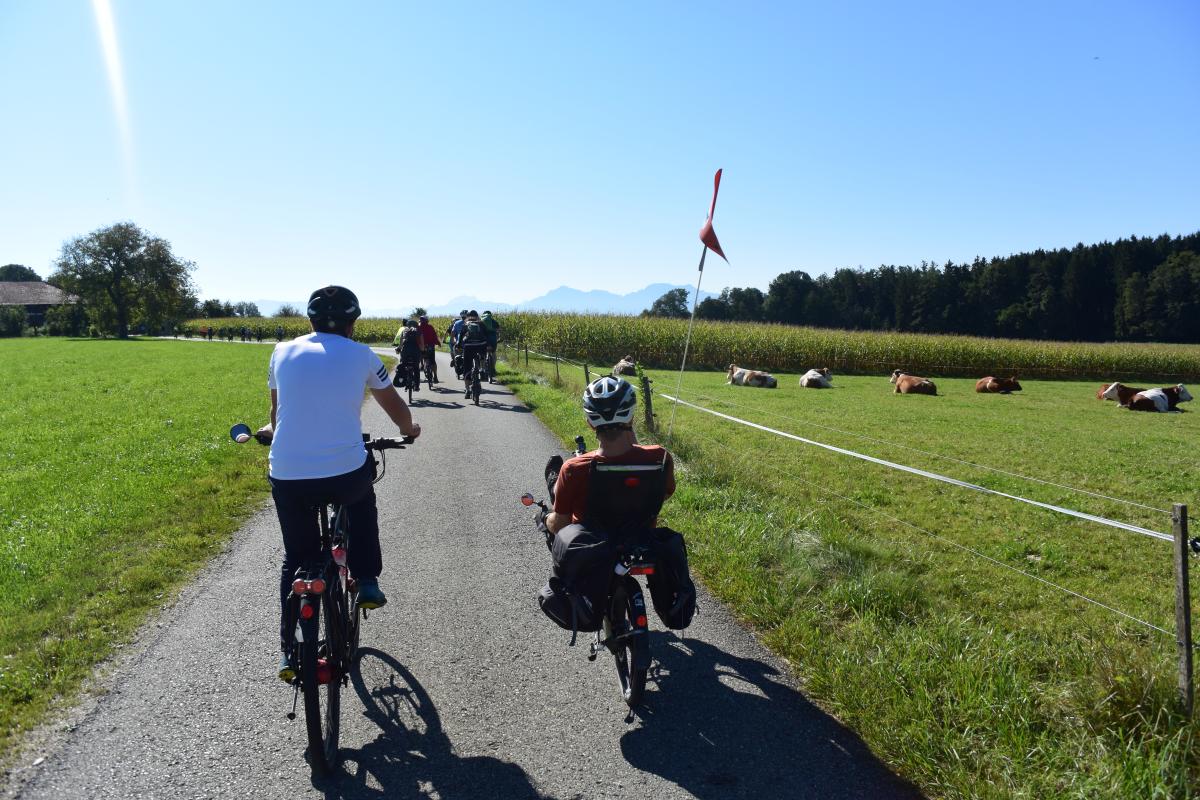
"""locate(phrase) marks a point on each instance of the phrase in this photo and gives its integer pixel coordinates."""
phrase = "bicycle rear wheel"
(631, 653)
(322, 657)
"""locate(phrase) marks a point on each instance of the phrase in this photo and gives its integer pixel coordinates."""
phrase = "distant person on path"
(429, 339)
(279, 333)
(472, 342)
(317, 454)
(455, 354)
(491, 330)
(409, 345)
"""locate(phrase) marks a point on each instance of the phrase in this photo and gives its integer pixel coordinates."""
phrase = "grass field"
(117, 480)
(971, 679)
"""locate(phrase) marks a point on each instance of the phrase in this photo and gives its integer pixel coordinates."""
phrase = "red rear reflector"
(307, 611)
(318, 585)
(641, 621)
(648, 570)
(631, 482)
(298, 586)
(324, 671)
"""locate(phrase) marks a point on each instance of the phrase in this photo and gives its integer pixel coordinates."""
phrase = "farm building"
(36, 296)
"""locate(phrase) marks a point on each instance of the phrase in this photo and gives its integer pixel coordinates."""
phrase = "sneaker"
(369, 594)
(287, 669)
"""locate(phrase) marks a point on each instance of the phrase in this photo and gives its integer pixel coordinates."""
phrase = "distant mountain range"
(564, 298)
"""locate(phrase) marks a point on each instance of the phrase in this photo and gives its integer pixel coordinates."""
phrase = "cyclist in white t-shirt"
(317, 454)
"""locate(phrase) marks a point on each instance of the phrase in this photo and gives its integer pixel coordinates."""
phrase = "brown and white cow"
(1122, 394)
(990, 385)
(817, 379)
(911, 384)
(1164, 399)
(626, 366)
(750, 377)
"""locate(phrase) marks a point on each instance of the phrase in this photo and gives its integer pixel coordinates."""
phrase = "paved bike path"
(465, 690)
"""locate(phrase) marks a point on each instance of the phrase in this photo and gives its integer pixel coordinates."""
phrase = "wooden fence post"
(527, 355)
(557, 379)
(587, 375)
(649, 403)
(1183, 608)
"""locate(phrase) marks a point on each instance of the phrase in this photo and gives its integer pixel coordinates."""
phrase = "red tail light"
(317, 586)
(307, 610)
(325, 671)
(632, 482)
(646, 570)
(299, 586)
(641, 621)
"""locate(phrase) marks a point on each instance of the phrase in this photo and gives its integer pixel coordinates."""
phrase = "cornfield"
(658, 343)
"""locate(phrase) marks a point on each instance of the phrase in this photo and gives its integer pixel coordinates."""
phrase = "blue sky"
(417, 152)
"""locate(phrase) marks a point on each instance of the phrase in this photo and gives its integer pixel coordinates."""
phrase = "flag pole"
(686, 344)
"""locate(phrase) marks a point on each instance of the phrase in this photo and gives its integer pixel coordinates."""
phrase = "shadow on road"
(495, 406)
(728, 727)
(411, 757)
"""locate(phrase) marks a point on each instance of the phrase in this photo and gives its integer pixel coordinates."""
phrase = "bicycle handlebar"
(388, 443)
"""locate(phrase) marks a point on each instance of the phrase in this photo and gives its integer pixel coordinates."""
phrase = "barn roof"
(33, 293)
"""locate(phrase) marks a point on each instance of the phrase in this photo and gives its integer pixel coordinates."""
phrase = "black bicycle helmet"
(609, 401)
(333, 308)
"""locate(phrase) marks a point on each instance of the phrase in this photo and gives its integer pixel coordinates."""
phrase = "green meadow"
(117, 481)
(899, 600)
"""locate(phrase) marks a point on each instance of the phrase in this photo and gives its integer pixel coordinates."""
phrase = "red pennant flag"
(707, 234)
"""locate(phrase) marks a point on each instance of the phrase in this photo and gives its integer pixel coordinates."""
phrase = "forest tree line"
(1136, 289)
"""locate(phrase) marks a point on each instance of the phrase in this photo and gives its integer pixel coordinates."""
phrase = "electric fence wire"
(876, 510)
(1112, 523)
(927, 452)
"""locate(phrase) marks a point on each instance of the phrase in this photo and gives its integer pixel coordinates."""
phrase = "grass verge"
(969, 679)
(118, 481)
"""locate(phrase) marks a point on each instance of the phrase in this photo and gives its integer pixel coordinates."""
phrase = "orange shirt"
(571, 490)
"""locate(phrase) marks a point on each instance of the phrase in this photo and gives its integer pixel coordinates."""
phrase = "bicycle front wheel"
(322, 656)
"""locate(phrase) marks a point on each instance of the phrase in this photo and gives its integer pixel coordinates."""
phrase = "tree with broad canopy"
(126, 277)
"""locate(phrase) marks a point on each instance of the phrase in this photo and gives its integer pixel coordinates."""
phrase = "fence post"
(587, 375)
(527, 355)
(557, 379)
(1183, 608)
(649, 403)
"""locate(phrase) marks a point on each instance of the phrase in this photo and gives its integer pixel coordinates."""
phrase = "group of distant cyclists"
(317, 454)
(472, 340)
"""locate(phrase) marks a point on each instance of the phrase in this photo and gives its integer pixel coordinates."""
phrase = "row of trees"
(1129, 290)
(127, 280)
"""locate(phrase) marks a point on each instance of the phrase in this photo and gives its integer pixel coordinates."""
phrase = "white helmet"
(609, 401)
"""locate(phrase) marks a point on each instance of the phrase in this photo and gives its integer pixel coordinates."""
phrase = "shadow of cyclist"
(411, 757)
(728, 727)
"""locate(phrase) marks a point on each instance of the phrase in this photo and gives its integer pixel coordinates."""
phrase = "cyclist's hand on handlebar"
(265, 434)
(413, 432)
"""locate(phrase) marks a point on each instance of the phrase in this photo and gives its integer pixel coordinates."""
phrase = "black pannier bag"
(575, 596)
(671, 589)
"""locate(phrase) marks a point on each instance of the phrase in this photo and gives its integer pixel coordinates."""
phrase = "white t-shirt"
(319, 379)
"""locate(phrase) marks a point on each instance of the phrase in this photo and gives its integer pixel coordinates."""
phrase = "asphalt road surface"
(464, 689)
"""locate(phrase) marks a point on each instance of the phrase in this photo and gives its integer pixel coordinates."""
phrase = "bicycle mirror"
(527, 499)
(240, 433)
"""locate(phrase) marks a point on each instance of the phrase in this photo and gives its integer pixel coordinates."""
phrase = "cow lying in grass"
(1123, 396)
(750, 377)
(626, 366)
(1161, 400)
(990, 385)
(817, 379)
(911, 384)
